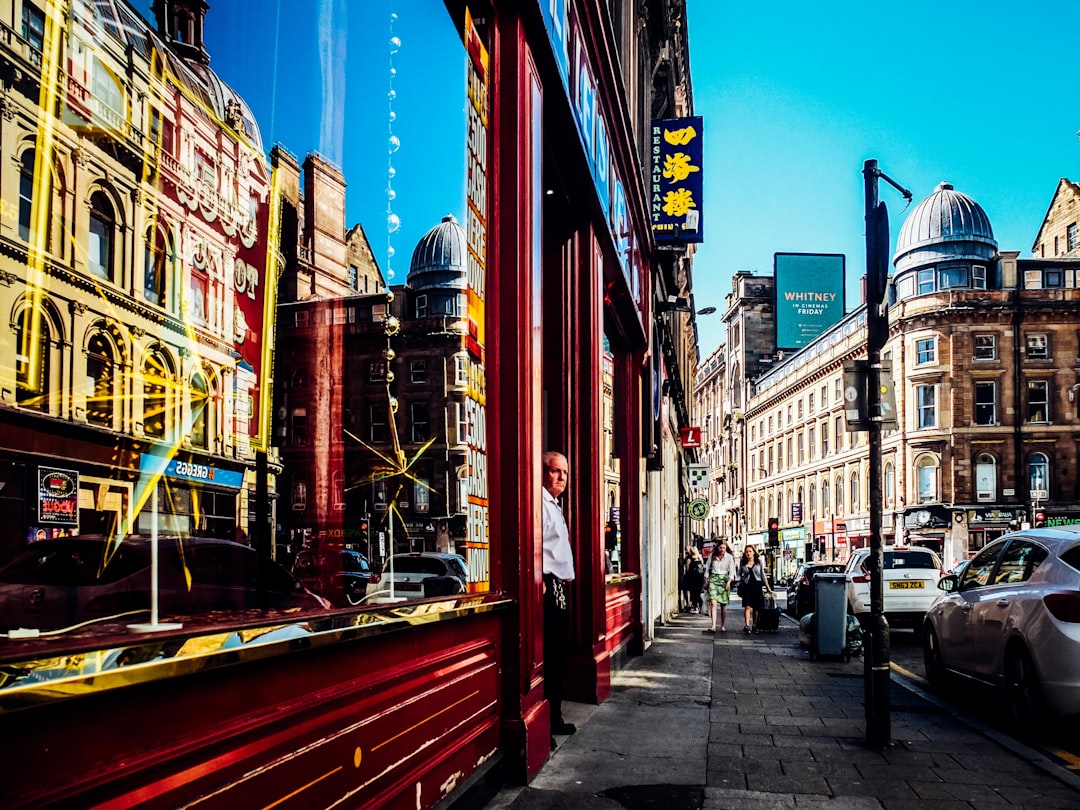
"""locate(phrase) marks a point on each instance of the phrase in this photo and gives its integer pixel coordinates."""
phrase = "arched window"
(985, 478)
(853, 493)
(890, 484)
(813, 501)
(826, 504)
(770, 512)
(800, 500)
(100, 381)
(99, 246)
(839, 495)
(158, 264)
(926, 469)
(157, 379)
(32, 366)
(200, 409)
(1039, 476)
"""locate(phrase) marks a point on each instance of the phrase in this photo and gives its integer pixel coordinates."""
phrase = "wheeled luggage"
(769, 616)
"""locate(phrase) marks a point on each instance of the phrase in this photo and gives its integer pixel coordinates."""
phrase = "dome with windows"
(945, 227)
(440, 258)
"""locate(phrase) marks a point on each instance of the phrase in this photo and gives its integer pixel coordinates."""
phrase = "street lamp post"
(876, 663)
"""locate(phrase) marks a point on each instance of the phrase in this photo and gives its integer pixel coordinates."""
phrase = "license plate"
(904, 584)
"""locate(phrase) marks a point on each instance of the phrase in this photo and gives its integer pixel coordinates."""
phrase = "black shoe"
(563, 728)
(553, 745)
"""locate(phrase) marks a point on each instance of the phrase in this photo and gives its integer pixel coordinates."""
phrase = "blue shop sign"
(190, 471)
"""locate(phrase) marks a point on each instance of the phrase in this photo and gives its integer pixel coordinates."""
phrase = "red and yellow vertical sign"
(477, 538)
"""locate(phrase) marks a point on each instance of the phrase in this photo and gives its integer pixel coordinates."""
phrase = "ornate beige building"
(985, 364)
(133, 267)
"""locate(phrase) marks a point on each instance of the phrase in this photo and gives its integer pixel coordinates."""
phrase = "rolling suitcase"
(769, 616)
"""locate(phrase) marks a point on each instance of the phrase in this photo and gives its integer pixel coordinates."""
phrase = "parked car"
(800, 593)
(61, 582)
(341, 575)
(909, 583)
(413, 576)
(1011, 619)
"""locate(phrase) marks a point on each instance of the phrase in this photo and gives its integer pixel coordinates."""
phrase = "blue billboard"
(809, 296)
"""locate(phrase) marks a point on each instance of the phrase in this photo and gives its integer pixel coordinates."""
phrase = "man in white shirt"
(558, 574)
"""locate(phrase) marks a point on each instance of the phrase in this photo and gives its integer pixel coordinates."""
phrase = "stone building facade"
(133, 267)
(985, 363)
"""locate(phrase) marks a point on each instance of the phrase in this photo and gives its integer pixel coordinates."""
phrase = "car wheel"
(1023, 692)
(932, 661)
(354, 592)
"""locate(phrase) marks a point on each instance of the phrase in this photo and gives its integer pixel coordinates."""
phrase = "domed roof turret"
(440, 258)
(947, 225)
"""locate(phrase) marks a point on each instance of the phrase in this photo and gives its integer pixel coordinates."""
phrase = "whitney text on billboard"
(809, 296)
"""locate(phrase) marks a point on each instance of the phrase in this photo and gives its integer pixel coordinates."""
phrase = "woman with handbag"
(753, 584)
(721, 573)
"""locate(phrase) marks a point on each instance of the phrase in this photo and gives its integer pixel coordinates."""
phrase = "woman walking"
(752, 586)
(721, 571)
(695, 577)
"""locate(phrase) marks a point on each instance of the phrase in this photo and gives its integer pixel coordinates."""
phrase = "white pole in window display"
(154, 625)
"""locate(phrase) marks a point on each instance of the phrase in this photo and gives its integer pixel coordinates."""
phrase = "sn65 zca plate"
(903, 584)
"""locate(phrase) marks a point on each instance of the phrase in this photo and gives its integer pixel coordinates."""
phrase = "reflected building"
(371, 396)
(133, 255)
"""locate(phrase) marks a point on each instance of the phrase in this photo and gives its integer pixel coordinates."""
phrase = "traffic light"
(774, 532)
(1040, 520)
(365, 531)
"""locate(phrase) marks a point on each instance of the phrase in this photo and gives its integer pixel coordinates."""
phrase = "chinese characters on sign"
(675, 188)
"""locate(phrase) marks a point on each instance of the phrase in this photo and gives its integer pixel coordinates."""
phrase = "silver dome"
(440, 258)
(947, 225)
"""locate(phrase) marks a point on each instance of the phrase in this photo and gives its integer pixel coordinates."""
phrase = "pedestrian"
(684, 590)
(558, 574)
(694, 577)
(721, 571)
(752, 586)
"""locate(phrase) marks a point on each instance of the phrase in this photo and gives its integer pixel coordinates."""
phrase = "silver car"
(1011, 619)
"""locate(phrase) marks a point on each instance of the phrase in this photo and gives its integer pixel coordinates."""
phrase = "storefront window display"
(227, 363)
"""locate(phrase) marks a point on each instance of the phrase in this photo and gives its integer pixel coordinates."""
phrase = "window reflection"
(154, 178)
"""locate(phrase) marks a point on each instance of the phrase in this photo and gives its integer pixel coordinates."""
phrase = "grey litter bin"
(830, 614)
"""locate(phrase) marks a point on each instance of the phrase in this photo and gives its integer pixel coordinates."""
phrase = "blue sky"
(796, 96)
(316, 74)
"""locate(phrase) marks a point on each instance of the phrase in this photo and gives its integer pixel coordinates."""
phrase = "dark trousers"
(556, 640)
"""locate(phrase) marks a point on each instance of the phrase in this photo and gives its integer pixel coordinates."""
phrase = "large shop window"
(260, 342)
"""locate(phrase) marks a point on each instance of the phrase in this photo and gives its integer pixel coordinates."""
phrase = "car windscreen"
(909, 559)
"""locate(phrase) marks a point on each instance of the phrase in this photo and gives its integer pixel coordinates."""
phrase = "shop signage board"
(698, 509)
(699, 476)
(58, 497)
(591, 118)
(676, 187)
(690, 436)
(190, 471)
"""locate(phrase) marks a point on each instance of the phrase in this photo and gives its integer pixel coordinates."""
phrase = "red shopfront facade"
(400, 705)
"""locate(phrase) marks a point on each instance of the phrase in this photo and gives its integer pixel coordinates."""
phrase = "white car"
(1011, 619)
(909, 583)
(420, 574)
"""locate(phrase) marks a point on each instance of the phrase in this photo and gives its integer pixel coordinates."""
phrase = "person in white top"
(720, 570)
(558, 574)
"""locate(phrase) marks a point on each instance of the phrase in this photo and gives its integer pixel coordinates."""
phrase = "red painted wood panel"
(396, 720)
